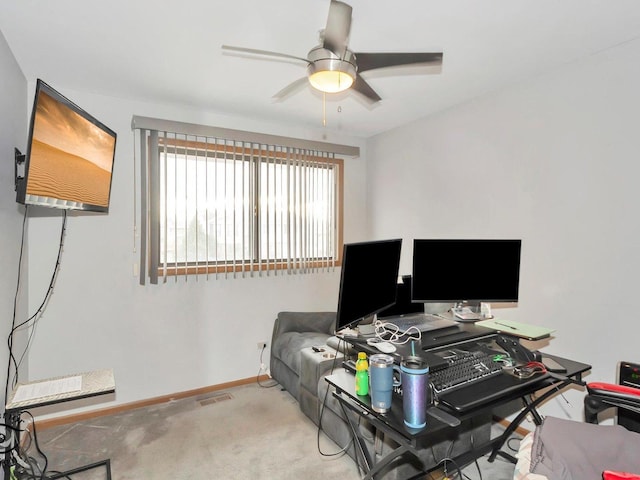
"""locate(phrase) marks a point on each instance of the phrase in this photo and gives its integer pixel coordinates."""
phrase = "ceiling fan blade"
(336, 33)
(262, 52)
(371, 61)
(365, 89)
(291, 88)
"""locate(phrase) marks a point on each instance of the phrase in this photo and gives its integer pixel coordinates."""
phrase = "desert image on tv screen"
(70, 158)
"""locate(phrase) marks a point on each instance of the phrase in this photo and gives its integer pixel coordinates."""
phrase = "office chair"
(561, 449)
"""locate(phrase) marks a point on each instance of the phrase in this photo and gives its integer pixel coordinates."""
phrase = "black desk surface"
(432, 339)
(469, 400)
(502, 387)
(344, 381)
(464, 404)
(505, 387)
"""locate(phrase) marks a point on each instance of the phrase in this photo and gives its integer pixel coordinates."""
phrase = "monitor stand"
(468, 312)
(368, 329)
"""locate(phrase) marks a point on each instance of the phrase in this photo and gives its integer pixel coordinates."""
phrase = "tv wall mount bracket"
(19, 162)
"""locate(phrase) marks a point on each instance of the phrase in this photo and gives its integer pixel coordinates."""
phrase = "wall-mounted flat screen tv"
(70, 155)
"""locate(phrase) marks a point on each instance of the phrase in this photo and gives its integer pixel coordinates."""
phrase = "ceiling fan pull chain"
(324, 109)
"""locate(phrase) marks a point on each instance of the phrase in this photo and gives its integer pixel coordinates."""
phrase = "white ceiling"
(170, 52)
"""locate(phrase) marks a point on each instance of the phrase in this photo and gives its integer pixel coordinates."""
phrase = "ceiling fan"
(333, 68)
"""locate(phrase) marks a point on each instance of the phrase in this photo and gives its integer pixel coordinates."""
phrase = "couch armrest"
(320, 322)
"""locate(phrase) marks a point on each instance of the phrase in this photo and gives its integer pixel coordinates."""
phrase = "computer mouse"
(384, 347)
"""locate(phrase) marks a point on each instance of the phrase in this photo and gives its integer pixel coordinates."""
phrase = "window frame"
(259, 264)
(146, 224)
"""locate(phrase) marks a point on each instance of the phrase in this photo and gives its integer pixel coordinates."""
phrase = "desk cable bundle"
(390, 332)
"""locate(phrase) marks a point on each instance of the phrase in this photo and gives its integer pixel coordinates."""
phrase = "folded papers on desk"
(522, 330)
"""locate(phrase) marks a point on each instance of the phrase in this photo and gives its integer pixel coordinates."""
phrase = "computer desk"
(443, 416)
(430, 340)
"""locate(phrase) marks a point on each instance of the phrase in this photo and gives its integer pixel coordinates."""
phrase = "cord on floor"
(262, 370)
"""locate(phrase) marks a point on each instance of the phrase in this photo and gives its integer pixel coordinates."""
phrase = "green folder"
(523, 330)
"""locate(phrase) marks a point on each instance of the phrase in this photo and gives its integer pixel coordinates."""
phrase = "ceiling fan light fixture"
(331, 81)
(330, 73)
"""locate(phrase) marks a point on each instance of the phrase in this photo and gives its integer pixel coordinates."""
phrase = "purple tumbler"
(415, 391)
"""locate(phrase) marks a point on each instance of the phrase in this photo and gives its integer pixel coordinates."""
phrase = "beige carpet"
(247, 432)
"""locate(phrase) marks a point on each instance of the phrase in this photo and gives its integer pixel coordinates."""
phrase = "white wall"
(554, 162)
(13, 133)
(171, 337)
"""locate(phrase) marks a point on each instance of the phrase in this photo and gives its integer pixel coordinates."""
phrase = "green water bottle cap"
(362, 356)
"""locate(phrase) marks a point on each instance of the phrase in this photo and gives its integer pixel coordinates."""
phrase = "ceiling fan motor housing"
(332, 67)
(324, 64)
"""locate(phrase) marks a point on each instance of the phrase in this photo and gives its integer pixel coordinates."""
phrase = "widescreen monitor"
(368, 280)
(465, 271)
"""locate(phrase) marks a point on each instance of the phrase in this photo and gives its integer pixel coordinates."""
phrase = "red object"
(608, 475)
(612, 387)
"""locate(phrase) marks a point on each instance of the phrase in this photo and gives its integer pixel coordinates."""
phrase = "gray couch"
(293, 331)
(301, 371)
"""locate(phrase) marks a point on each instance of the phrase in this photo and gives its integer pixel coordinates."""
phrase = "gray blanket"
(570, 450)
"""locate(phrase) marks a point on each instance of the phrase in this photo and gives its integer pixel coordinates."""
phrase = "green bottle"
(362, 374)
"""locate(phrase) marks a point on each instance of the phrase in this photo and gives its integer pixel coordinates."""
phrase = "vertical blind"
(220, 203)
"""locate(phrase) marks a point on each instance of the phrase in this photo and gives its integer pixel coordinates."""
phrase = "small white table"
(52, 391)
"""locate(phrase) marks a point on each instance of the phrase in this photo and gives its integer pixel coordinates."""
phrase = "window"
(225, 207)
(245, 208)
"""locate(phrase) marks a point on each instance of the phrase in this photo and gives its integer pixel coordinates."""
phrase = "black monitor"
(368, 280)
(404, 305)
(466, 271)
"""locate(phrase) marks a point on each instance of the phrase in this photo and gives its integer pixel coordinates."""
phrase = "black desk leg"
(13, 428)
(106, 463)
(530, 408)
(401, 450)
(537, 418)
(371, 466)
(360, 449)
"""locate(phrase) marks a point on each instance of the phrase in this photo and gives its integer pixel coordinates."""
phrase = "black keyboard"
(465, 367)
